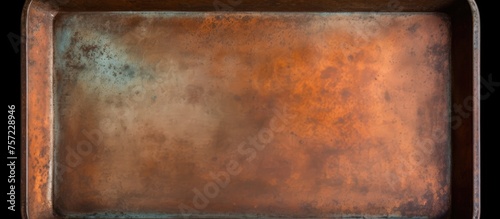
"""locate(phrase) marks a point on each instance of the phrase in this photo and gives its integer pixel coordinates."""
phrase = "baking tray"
(251, 109)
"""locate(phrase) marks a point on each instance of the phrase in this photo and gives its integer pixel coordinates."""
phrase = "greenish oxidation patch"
(95, 60)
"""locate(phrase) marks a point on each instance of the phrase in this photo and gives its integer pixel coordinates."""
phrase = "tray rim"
(38, 7)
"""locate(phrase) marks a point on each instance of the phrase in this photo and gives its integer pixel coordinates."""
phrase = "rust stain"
(161, 101)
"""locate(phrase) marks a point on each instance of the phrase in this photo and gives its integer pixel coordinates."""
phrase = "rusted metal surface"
(242, 114)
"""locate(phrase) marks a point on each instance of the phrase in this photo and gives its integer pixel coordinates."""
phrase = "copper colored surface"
(166, 99)
(247, 114)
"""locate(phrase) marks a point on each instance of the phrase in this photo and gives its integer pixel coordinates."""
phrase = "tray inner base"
(294, 114)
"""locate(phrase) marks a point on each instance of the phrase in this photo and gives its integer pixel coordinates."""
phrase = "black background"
(490, 111)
